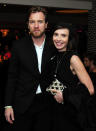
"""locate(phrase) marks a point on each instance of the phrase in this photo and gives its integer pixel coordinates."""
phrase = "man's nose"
(36, 24)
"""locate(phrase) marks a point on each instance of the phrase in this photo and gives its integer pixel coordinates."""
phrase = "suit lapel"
(33, 55)
(46, 55)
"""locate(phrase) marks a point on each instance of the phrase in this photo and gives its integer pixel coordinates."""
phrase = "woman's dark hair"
(37, 9)
(72, 43)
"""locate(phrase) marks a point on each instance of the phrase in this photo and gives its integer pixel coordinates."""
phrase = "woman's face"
(60, 39)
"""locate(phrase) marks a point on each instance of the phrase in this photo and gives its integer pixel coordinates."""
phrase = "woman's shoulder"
(71, 54)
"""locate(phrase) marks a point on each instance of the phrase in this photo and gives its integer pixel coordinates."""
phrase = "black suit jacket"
(23, 74)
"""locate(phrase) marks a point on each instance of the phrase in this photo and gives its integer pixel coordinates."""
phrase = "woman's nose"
(59, 38)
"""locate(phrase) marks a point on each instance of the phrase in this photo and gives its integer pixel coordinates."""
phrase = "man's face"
(37, 25)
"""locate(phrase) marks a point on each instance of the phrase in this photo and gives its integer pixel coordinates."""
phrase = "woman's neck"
(63, 50)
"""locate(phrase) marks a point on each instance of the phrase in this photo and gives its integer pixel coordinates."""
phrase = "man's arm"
(10, 87)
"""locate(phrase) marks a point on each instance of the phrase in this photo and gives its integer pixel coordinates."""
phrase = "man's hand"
(9, 115)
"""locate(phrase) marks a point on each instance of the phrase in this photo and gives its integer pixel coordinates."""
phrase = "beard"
(37, 35)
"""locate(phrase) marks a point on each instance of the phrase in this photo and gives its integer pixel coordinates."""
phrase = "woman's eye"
(55, 34)
(63, 35)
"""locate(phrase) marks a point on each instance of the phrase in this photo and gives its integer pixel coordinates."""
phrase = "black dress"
(91, 106)
(93, 78)
(66, 115)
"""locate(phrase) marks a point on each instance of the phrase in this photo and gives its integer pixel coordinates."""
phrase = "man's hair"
(37, 9)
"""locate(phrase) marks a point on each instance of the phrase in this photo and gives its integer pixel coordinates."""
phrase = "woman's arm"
(81, 73)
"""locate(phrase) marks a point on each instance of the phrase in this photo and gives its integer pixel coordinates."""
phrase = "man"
(26, 100)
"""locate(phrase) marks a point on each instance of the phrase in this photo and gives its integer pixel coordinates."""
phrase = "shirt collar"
(40, 47)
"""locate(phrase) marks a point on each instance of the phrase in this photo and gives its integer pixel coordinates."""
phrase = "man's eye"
(31, 22)
(40, 21)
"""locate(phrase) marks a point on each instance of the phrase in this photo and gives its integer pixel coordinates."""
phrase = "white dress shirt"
(39, 51)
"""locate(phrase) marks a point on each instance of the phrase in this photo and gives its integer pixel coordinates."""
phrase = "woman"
(70, 70)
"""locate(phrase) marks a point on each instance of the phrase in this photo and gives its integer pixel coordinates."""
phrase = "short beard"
(39, 36)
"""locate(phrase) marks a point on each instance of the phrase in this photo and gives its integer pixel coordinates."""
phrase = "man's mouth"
(36, 30)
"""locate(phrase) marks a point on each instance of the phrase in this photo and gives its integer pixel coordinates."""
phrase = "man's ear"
(27, 24)
(46, 25)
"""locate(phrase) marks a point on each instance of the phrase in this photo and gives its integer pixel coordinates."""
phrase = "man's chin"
(36, 36)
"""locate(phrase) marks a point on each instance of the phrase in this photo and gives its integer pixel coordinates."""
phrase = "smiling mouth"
(58, 43)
